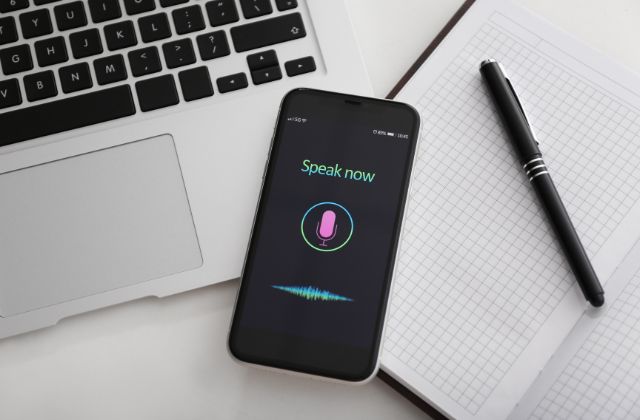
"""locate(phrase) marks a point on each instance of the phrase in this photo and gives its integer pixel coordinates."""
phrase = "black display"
(317, 275)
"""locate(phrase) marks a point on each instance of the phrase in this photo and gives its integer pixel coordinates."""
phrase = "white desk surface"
(166, 359)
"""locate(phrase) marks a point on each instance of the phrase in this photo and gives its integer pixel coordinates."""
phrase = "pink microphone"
(327, 228)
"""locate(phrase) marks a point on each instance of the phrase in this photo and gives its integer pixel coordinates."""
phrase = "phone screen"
(318, 270)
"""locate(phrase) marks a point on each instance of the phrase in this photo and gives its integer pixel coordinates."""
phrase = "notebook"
(486, 319)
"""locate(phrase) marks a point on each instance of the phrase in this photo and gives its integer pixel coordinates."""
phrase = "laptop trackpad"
(92, 223)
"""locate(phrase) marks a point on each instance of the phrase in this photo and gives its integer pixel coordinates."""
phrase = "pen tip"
(597, 300)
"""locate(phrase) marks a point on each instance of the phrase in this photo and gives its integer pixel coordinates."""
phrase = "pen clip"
(524, 114)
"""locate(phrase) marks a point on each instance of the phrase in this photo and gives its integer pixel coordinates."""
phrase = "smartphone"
(318, 269)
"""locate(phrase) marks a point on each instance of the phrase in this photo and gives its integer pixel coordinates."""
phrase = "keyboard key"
(268, 32)
(178, 53)
(40, 86)
(110, 69)
(36, 23)
(9, 93)
(12, 5)
(286, 4)
(154, 27)
(134, 7)
(255, 8)
(262, 59)
(158, 92)
(75, 77)
(66, 114)
(85, 43)
(300, 66)
(120, 35)
(266, 75)
(104, 10)
(40, 2)
(213, 45)
(8, 31)
(51, 51)
(15, 59)
(221, 12)
(188, 19)
(232, 82)
(195, 83)
(144, 61)
(167, 3)
(70, 15)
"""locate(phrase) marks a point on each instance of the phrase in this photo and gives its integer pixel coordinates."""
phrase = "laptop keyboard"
(134, 39)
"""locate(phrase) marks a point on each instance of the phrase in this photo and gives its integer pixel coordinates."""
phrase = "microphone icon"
(327, 228)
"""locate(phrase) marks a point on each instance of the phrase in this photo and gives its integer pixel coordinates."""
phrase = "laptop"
(133, 139)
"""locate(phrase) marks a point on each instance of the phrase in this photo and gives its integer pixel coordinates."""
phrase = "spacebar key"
(268, 32)
(66, 114)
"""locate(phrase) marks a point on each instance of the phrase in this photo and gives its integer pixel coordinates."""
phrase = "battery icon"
(390, 134)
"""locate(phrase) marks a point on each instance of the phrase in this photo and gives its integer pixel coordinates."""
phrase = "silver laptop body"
(159, 198)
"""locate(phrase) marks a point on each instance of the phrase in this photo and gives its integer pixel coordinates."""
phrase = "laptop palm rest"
(93, 223)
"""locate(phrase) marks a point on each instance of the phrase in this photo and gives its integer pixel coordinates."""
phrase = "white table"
(166, 359)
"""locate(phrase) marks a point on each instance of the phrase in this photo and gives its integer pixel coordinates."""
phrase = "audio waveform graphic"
(313, 293)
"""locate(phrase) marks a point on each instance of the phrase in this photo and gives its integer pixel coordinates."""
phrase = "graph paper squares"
(480, 269)
(604, 374)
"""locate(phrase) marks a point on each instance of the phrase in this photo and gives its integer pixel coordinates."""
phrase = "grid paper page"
(603, 378)
(480, 270)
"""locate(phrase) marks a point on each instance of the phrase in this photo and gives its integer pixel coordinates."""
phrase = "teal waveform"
(313, 293)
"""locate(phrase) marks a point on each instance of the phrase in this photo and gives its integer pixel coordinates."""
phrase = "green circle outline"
(305, 236)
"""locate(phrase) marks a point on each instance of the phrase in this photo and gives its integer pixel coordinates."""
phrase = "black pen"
(526, 147)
